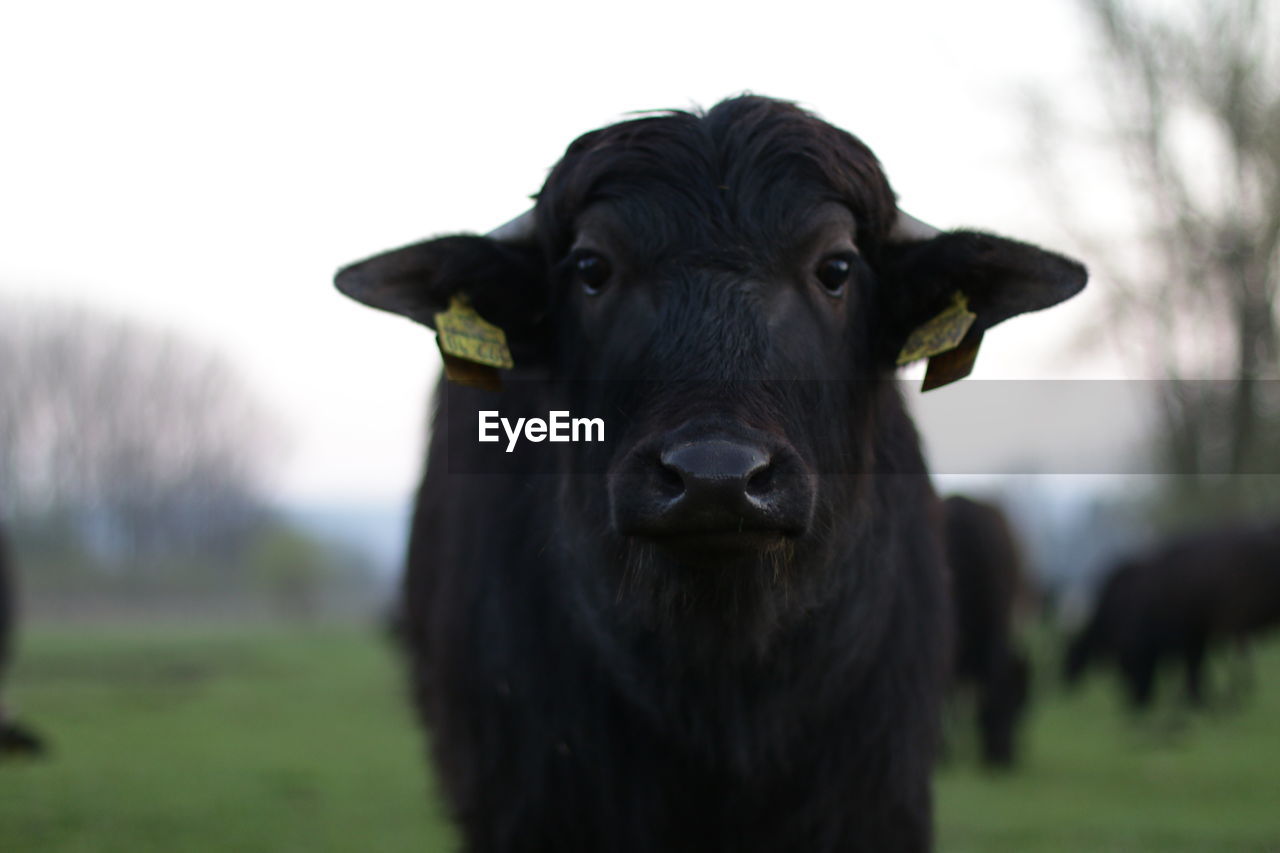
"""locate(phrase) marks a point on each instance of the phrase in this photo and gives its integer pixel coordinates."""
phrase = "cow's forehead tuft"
(746, 157)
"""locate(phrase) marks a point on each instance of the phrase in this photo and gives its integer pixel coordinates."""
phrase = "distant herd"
(1173, 603)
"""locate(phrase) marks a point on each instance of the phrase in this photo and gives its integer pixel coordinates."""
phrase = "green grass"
(191, 738)
(204, 739)
(1094, 779)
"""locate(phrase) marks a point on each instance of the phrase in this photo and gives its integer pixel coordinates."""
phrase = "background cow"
(1174, 602)
(987, 586)
(15, 739)
(722, 629)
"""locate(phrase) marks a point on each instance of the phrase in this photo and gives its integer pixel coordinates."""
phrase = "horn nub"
(908, 228)
(518, 230)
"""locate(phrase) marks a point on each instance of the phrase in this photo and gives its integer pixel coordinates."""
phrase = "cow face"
(732, 289)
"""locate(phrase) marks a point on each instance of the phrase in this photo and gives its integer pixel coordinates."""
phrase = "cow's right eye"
(834, 272)
(592, 271)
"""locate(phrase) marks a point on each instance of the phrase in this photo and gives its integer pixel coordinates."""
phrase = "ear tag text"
(472, 347)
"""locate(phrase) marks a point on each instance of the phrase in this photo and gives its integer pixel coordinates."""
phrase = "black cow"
(987, 585)
(15, 739)
(723, 628)
(1177, 600)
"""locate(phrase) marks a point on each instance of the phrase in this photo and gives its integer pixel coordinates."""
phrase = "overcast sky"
(207, 169)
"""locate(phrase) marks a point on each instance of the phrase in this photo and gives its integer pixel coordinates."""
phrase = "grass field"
(253, 739)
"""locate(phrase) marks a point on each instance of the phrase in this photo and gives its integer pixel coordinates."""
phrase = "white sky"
(209, 167)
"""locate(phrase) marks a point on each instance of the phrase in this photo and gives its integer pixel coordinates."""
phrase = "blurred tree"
(292, 570)
(301, 574)
(1192, 97)
(132, 440)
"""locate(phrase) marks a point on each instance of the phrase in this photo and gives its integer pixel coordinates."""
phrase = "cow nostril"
(761, 482)
(670, 484)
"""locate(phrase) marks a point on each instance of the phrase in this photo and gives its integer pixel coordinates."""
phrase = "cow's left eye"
(592, 271)
(833, 273)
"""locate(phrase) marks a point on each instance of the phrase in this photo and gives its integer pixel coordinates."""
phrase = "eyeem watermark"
(558, 426)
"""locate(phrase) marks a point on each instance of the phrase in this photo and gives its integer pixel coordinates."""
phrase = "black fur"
(589, 690)
(15, 739)
(1173, 603)
(987, 585)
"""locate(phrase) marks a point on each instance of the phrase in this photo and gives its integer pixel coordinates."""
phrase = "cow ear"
(501, 281)
(943, 292)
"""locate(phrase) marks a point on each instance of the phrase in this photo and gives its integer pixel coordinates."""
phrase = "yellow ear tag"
(472, 347)
(944, 332)
(467, 335)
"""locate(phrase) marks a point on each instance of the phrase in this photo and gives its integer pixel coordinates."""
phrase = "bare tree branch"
(145, 441)
(1192, 104)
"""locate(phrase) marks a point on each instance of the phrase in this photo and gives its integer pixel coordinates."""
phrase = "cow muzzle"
(708, 496)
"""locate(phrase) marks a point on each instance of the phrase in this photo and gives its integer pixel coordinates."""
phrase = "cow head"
(733, 289)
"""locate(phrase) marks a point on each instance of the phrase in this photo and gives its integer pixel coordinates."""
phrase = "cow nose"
(715, 474)
(721, 493)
